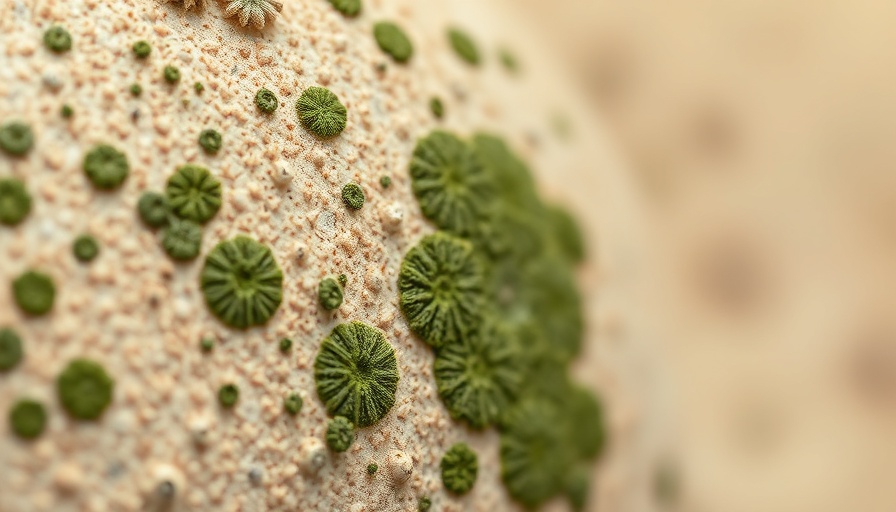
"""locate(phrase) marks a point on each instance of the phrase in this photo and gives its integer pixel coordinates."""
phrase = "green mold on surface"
(441, 289)
(182, 239)
(392, 40)
(340, 434)
(321, 112)
(193, 193)
(84, 389)
(15, 201)
(106, 167)
(16, 138)
(28, 418)
(34, 292)
(58, 39)
(453, 189)
(242, 283)
(356, 373)
(329, 294)
(10, 349)
(459, 467)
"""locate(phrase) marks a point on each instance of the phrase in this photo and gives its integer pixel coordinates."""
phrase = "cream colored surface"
(761, 136)
(142, 316)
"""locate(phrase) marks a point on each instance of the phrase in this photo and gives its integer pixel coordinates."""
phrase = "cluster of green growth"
(10, 349)
(494, 293)
(28, 418)
(392, 40)
(340, 434)
(329, 293)
(84, 389)
(58, 39)
(424, 504)
(242, 283)
(321, 112)
(66, 111)
(353, 196)
(385, 181)
(171, 74)
(34, 292)
(153, 209)
(266, 101)
(210, 140)
(85, 248)
(16, 138)
(292, 404)
(459, 467)
(106, 167)
(350, 8)
(206, 345)
(228, 394)
(285, 345)
(356, 373)
(372, 468)
(15, 201)
(193, 193)
(141, 49)
(182, 239)
(343, 279)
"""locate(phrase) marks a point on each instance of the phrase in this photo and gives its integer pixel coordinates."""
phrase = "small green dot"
(463, 46)
(34, 292)
(292, 404)
(10, 349)
(349, 8)
(84, 389)
(210, 140)
(16, 138)
(353, 196)
(207, 344)
(15, 201)
(343, 279)
(329, 293)
(424, 504)
(171, 74)
(198, 87)
(321, 112)
(142, 49)
(385, 181)
(372, 468)
(340, 434)
(153, 209)
(285, 345)
(266, 101)
(228, 395)
(182, 239)
(85, 248)
(57, 39)
(106, 167)
(435, 105)
(393, 40)
(67, 111)
(136, 89)
(28, 418)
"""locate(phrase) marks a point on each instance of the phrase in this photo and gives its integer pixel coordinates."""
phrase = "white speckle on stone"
(399, 466)
(182, 307)
(392, 216)
(280, 174)
(312, 455)
(52, 81)
(325, 225)
(317, 157)
(240, 200)
(200, 430)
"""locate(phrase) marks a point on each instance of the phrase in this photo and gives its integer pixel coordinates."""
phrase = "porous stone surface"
(142, 315)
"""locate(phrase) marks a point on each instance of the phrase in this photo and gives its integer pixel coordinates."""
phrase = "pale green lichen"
(210, 140)
(350, 8)
(392, 40)
(266, 101)
(321, 112)
(255, 11)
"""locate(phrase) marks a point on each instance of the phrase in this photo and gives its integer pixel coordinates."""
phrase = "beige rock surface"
(142, 316)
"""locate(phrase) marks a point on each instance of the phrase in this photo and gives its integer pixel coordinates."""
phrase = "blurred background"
(760, 134)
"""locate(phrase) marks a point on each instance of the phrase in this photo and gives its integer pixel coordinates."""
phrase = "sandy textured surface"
(142, 315)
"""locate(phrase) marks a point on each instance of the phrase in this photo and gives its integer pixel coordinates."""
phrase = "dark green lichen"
(142, 49)
(576, 487)
(385, 181)
(171, 74)
(343, 280)
(66, 111)
(198, 87)
(207, 345)
(10, 349)
(266, 101)
(182, 239)
(372, 468)
(392, 40)
(437, 108)
(441, 289)
(136, 89)
(28, 418)
(292, 404)
(84, 389)
(451, 185)
(153, 209)
(356, 373)
(340, 434)
(285, 345)
(15, 201)
(106, 167)
(85, 248)
(228, 394)
(210, 140)
(193, 193)
(34, 292)
(242, 283)
(463, 46)
(353, 196)
(479, 378)
(459, 468)
(321, 112)
(424, 504)
(16, 138)
(57, 39)
(350, 8)
(329, 294)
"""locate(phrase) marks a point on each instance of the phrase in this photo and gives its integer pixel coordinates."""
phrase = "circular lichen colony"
(340, 434)
(15, 201)
(10, 349)
(34, 292)
(392, 40)
(28, 418)
(192, 193)
(106, 167)
(460, 467)
(356, 373)
(242, 283)
(84, 389)
(321, 112)
(16, 138)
